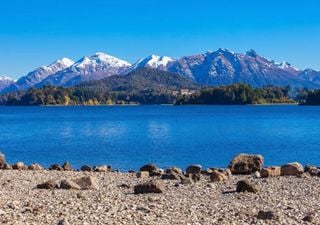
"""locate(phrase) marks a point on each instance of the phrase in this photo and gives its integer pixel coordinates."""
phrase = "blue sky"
(37, 32)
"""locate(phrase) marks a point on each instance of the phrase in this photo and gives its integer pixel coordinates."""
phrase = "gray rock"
(19, 166)
(69, 184)
(35, 167)
(267, 215)
(246, 186)
(194, 169)
(142, 174)
(50, 184)
(154, 186)
(67, 166)
(56, 167)
(86, 168)
(87, 183)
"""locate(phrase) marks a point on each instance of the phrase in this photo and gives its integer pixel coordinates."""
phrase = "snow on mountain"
(153, 61)
(220, 67)
(95, 67)
(5, 82)
(38, 75)
(223, 67)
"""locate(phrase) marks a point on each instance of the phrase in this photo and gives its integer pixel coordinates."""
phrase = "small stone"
(87, 183)
(308, 218)
(102, 169)
(291, 169)
(86, 168)
(304, 175)
(246, 186)
(195, 177)
(19, 166)
(69, 184)
(217, 176)
(312, 170)
(7, 166)
(67, 166)
(35, 167)
(267, 215)
(154, 186)
(174, 169)
(273, 171)
(194, 169)
(63, 222)
(171, 176)
(56, 167)
(149, 167)
(124, 186)
(2, 161)
(50, 184)
(186, 181)
(142, 174)
(256, 174)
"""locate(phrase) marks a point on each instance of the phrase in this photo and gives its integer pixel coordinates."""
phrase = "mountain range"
(220, 67)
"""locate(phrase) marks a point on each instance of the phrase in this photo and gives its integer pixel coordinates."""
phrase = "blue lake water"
(127, 137)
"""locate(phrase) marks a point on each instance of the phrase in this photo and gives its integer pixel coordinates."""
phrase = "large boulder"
(194, 169)
(246, 186)
(246, 164)
(50, 184)
(154, 186)
(273, 171)
(292, 169)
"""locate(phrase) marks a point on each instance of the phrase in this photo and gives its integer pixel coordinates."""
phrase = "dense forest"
(238, 94)
(149, 86)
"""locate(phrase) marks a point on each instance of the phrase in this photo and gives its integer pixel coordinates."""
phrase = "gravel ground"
(289, 198)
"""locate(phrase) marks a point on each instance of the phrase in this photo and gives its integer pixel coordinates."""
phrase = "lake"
(127, 137)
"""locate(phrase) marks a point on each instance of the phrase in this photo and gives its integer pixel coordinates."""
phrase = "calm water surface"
(129, 136)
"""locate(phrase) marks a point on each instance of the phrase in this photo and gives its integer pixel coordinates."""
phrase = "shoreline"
(244, 193)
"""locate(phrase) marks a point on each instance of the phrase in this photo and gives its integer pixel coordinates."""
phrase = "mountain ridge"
(212, 68)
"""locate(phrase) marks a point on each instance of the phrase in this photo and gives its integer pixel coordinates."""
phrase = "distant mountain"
(140, 80)
(95, 67)
(153, 61)
(5, 82)
(38, 75)
(212, 68)
(223, 67)
(311, 76)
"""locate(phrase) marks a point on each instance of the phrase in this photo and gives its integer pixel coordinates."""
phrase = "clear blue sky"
(37, 32)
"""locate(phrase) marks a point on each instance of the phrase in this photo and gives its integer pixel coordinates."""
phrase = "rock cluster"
(264, 195)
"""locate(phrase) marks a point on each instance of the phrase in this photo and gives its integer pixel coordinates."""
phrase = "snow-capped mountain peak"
(65, 61)
(5, 78)
(100, 60)
(286, 66)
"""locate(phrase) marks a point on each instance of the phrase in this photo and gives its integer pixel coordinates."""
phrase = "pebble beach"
(113, 198)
